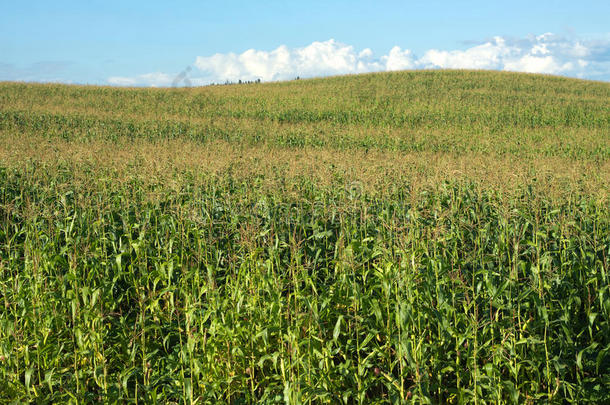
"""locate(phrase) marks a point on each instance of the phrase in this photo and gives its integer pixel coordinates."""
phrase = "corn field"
(409, 237)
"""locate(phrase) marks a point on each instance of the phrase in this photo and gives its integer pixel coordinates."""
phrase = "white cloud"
(123, 81)
(489, 55)
(365, 53)
(398, 59)
(156, 79)
(546, 53)
(537, 64)
(318, 59)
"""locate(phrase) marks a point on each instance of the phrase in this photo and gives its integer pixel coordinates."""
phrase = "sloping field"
(412, 236)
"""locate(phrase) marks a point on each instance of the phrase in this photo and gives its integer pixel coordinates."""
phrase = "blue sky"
(150, 43)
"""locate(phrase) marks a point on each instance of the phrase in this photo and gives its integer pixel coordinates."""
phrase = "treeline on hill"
(425, 237)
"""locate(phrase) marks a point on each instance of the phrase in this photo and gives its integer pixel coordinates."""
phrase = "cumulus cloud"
(490, 55)
(546, 53)
(318, 59)
(398, 59)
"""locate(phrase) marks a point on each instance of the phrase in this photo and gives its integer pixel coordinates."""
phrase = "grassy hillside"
(413, 236)
(421, 111)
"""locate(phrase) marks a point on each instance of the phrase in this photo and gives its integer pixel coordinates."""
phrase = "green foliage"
(216, 287)
(447, 111)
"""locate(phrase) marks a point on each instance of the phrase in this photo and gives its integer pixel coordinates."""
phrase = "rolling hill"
(426, 236)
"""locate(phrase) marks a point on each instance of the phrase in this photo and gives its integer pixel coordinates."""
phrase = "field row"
(225, 289)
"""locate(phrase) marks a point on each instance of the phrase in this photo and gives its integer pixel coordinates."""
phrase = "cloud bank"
(547, 53)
